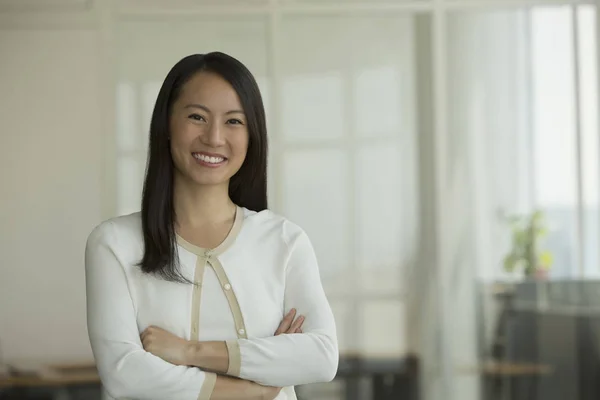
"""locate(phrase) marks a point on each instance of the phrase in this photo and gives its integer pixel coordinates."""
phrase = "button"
(241, 331)
(194, 329)
(227, 286)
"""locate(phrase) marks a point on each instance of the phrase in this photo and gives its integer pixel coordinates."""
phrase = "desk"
(392, 377)
(53, 381)
(551, 323)
(496, 374)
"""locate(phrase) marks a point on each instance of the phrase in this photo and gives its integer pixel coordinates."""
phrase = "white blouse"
(265, 267)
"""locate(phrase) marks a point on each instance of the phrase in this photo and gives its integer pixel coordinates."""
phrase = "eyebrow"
(203, 107)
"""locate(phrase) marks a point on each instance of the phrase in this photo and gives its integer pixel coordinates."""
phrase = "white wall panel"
(315, 196)
(51, 167)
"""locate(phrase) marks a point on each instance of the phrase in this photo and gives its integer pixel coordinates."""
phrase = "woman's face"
(209, 134)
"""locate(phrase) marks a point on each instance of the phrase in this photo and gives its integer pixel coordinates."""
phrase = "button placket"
(230, 296)
(196, 297)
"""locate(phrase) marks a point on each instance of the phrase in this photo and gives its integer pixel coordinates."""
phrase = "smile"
(213, 160)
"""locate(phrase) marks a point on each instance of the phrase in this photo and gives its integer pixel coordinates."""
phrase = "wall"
(51, 175)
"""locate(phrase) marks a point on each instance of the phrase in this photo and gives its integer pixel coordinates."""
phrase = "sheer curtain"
(521, 84)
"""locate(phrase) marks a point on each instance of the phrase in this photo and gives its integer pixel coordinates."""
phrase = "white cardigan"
(265, 267)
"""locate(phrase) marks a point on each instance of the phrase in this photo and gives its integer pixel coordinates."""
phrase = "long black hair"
(247, 188)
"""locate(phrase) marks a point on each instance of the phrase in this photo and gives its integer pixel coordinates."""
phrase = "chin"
(209, 180)
(211, 183)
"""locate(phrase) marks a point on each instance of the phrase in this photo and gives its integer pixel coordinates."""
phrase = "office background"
(403, 134)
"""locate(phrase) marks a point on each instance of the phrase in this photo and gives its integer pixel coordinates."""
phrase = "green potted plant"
(525, 254)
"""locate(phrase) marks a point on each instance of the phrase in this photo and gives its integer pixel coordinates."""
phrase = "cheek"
(177, 148)
(181, 138)
(179, 133)
(241, 146)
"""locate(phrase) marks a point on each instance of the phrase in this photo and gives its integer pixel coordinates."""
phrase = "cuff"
(235, 358)
(207, 386)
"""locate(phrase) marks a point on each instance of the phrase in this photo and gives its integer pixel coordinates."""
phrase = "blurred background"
(441, 154)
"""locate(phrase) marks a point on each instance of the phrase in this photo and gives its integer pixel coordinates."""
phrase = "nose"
(214, 136)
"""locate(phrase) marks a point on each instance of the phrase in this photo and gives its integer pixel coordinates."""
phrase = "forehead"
(211, 90)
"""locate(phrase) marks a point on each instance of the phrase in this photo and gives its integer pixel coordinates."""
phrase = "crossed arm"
(129, 367)
(207, 355)
(213, 356)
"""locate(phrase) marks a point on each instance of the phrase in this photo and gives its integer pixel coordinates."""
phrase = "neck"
(198, 205)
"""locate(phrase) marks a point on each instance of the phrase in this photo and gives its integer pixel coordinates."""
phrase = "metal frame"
(580, 223)
(137, 9)
(597, 17)
(440, 134)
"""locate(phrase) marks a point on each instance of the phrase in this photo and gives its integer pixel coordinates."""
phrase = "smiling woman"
(205, 293)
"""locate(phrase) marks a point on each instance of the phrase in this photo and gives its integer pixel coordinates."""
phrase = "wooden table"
(496, 374)
(496, 368)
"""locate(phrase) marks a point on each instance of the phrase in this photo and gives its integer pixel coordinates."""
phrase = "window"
(565, 135)
(524, 90)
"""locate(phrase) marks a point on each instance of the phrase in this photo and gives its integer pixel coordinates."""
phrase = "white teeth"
(208, 159)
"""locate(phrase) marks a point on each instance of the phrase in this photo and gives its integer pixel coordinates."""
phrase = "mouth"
(209, 160)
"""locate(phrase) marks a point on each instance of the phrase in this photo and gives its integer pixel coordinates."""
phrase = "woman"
(196, 296)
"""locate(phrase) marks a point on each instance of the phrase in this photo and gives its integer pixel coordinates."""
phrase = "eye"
(197, 117)
(235, 121)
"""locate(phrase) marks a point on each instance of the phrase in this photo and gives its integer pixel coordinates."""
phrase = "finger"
(286, 322)
(147, 334)
(289, 318)
(150, 329)
(299, 330)
(297, 324)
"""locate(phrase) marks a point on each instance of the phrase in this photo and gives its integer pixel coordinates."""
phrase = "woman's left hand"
(166, 345)
(289, 324)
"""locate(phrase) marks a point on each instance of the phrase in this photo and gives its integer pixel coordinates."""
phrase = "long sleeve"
(125, 368)
(293, 359)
